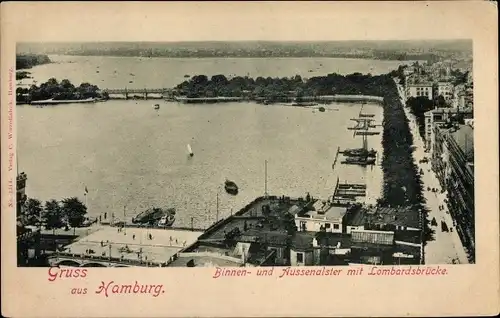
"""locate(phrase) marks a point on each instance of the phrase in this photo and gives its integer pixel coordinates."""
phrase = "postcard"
(201, 159)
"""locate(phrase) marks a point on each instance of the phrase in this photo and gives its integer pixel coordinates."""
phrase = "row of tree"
(25, 61)
(54, 214)
(279, 88)
(64, 90)
(403, 186)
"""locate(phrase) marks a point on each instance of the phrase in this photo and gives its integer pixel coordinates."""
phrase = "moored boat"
(156, 106)
(362, 161)
(231, 187)
(153, 216)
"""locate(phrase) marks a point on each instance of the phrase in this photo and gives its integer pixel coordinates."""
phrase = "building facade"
(21, 193)
(439, 116)
(325, 217)
(419, 89)
(445, 89)
(460, 185)
(453, 162)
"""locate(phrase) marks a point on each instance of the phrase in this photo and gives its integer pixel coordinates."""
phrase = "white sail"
(189, 149)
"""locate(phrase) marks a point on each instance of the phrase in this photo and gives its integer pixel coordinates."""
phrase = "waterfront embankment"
(303, 99)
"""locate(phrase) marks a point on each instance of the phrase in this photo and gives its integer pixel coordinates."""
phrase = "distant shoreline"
(207, 56)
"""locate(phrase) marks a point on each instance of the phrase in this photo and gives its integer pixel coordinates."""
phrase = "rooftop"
(405, 217)
(420, 84)
(449, 110)
(331, 213)
(276, 220)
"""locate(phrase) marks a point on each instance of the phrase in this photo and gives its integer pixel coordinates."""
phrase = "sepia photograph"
(258, 159)
(238, 154)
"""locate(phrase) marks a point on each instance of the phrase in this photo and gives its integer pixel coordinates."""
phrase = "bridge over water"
(79, 260)
(142, 92)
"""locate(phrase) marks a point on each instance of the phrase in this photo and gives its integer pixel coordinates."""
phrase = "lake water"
(128, 154)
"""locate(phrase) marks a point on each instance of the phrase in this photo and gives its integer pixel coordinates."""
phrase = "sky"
(231, 21)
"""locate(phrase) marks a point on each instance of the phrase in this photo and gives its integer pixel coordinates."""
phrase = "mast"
(265, 179)
(217, 207)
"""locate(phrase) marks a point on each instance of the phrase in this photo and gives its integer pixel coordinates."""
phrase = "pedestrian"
(105, 215)
(100, 220)
(133, 236)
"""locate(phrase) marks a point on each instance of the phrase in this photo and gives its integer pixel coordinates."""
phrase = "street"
(446, 248)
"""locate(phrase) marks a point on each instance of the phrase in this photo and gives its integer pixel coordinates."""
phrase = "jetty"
(348, 193)
(336, 158)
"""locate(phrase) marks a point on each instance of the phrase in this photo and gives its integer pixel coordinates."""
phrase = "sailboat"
(190, 151)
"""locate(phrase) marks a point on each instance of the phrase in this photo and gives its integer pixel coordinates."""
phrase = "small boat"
(130, 81)
(186, 76)
(156, 106)
(97, 71)
(231, 187)
(321, 109)
(190, 151)
(132, 74)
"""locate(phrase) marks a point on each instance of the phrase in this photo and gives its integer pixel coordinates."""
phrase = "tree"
(441, 102)
(53, 215)
(74, 210)
(33, 211)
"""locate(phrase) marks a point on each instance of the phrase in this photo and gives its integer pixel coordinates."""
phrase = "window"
(300, 258)
(327, 225)
(336, 226)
